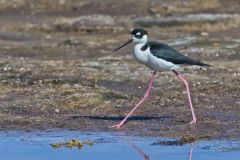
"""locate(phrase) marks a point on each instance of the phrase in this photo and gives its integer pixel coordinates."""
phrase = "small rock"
(62, 2)
(107, 102)
(22, 69)
(7, 69)
(48, 36)
(204, 34)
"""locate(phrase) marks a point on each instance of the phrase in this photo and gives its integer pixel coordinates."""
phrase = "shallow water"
(108, 146)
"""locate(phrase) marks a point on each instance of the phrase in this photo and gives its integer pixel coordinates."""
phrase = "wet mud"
(58, 68)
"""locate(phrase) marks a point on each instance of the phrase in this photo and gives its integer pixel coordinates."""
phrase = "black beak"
(130, 41)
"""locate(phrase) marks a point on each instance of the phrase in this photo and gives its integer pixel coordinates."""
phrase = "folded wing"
(163, 51)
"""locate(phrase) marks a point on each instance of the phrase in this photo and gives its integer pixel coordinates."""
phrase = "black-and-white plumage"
(167, 53)
(158, 57)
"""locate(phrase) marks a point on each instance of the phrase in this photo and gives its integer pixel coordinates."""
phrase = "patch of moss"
(114, 95)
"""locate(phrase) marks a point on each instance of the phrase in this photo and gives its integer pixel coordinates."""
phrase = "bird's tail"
(198, 63)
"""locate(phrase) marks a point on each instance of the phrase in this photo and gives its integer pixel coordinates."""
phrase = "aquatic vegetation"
(72, 143)
(178, 142)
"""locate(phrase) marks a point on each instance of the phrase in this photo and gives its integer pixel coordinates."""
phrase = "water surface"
(108, 146)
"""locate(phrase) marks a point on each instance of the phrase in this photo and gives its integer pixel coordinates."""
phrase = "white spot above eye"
(138, 33)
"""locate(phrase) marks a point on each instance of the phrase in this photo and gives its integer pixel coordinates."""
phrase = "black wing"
(165, 52)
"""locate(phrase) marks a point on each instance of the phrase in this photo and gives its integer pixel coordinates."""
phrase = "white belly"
(158, 64)
(151, 61)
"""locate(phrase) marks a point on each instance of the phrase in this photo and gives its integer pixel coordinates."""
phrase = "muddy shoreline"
(57, 68)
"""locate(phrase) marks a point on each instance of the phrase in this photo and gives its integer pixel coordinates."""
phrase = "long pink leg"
(140, 152)
(139, 103)
(188, 93)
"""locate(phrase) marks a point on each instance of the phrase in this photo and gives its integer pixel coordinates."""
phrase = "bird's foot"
(194, 121)
(117, 126)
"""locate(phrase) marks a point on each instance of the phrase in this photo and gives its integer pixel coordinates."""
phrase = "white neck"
(139, 54)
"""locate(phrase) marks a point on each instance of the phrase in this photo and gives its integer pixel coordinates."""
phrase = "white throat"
(139, 54)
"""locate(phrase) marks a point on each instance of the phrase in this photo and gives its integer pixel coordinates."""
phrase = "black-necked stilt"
(158, 57)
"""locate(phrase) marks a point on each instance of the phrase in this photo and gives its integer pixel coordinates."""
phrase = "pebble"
(7, 69)
(204, 34)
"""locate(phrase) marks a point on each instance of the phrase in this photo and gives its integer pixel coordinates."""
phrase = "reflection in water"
(125, 138)
(190, 152)
(140, 152)
(146, 157)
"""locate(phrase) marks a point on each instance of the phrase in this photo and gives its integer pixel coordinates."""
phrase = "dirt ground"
(58, 70)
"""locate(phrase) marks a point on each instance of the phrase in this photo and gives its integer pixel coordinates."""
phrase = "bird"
(159, 57)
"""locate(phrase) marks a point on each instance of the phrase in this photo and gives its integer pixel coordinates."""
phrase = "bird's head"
(138, 36)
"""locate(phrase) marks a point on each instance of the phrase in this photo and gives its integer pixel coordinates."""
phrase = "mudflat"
(58, 68)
